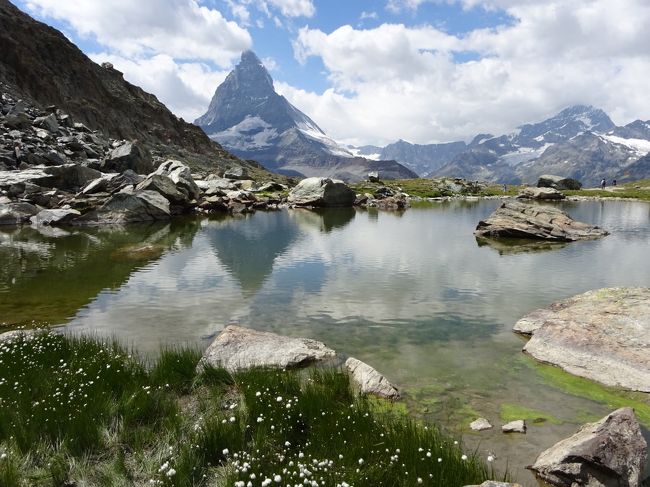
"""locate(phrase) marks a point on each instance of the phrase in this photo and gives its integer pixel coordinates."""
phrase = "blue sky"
(376, 71)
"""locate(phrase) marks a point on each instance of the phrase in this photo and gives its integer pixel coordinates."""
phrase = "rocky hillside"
(250, 119)
(39, 64)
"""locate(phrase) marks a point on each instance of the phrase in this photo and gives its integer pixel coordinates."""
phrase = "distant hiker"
(603, 183)
(505, 188)
(614, 182)
(18, 152)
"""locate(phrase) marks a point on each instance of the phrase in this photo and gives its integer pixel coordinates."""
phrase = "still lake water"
(412, 294)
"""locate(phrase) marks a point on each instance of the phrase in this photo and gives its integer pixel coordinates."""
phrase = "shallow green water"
(413, 294)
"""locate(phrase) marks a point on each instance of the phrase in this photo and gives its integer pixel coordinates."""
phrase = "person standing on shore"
(603, 183)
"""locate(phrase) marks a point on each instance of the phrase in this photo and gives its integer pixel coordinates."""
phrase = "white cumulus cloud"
(425, 85)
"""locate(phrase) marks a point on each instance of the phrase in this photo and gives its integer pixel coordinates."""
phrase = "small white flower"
(225, 451)
(277, 478)
(463, 457)
(279, 399)
(360, 461)
(490, 458)
(419, 480)
(171, 472)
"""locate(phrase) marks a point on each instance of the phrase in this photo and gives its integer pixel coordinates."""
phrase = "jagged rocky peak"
(568, 123)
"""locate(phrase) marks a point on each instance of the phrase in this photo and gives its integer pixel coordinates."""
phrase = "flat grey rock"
(54, 217)
(238, 348)
(126, 207)
(610, 452)
(602, 335)
(518, 220)
(369, 380)
(546, 194)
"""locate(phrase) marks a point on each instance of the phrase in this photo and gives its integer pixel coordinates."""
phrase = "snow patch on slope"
(249, 134)
(640, 146)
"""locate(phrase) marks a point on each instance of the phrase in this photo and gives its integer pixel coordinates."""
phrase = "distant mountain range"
(251, 120)
(580, 142)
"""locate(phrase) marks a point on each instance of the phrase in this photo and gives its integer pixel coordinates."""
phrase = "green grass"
(436, 188)
(635, 190)
(514, 412)
(580, 387)
(79, 411)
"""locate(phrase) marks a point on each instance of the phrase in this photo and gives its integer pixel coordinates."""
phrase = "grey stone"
(240, 348)
(610, 452)
(322, 192)
(518, 426)
(271, 187)
(16, 213)
(131, 155)
(69, 176)
(54, 217)
(373, 177)
(165, 186)
(181, 176)
(541, 194)
(558, 182)
(369, 380)
(141, 206)
(236, 172)
(480, 424)
(49, 123)
(602, 335)
(518, 220)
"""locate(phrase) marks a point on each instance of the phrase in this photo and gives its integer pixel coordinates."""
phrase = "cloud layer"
(425, 85)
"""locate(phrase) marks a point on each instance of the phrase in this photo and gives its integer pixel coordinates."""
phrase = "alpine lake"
(411, 293)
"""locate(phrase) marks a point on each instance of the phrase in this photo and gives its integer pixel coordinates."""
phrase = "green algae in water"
(577, 386)
(513, 412)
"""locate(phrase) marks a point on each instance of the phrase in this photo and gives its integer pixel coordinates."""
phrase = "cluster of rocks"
(517, 426)
(54, 171)
(237, 348)
(558, 182)
(384, 198)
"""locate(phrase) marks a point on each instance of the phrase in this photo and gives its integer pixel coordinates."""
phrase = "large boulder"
(164, 186)
(139, 206)
(558, 182)
(323, 192)
(369, 380)
(602, 335)
(518, 220)
(55, 217)
(610, 452)
(130, 155)
(181, 176)
(16, 213)
(541, 194)
(239, 348)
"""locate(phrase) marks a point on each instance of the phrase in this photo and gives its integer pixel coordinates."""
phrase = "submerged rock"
(322, 192)
(518, 426)
(369, 380)
(603, 335)
(610, 452)
(543, 222)
(480, 424)
(238, 348)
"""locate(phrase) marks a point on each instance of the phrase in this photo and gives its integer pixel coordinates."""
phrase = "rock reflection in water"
(47, 274)
(509, 246)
